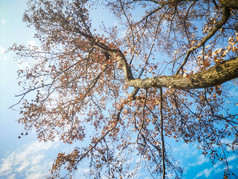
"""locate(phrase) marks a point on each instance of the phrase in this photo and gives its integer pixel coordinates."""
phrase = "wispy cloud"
(32, 44)
(231, 158)
(205, 172)
(23, 65)
(3, 54)
(3, 21)
(13, 176)
(201, 159)
(234, 92)
(217, 168)
(81, 173)
(229, 141)
(29, 161)
(187, 150)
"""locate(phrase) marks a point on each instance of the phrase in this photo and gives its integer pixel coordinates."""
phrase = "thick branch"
(229, 3)
(213, 76)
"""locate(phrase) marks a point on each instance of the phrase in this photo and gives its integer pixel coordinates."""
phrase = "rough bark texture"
(229, 3)
(213, 76)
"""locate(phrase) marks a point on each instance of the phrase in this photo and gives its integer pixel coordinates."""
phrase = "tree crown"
(102, 88)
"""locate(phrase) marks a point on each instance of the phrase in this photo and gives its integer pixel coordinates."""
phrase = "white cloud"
(23, 65)
(2, 50)
(7, 165)
(3, 21)
(217, 168)
(29, 161)
(31, 43)
(13, 176)
(205, 172)
(233, 157)
(234, 92)
(229, 141)
(35, 176)
(3, 54)
(218, 164)
(81, 172)
(201, 160)
(186, 150)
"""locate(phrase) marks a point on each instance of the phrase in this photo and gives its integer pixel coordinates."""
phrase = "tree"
(121, 91)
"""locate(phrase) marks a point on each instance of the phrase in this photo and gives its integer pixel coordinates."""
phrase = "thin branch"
(225, 17)
(161, 131)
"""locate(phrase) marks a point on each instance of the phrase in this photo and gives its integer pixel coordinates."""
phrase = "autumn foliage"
(120, 92)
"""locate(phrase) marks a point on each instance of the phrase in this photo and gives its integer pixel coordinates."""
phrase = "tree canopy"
(121, 91)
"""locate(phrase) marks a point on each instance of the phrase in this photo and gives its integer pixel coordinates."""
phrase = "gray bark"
(213, 76)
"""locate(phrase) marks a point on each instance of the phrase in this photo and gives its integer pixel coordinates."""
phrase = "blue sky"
(26, 157)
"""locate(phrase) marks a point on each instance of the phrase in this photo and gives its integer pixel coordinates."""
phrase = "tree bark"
(213, 76)
(229, 3)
